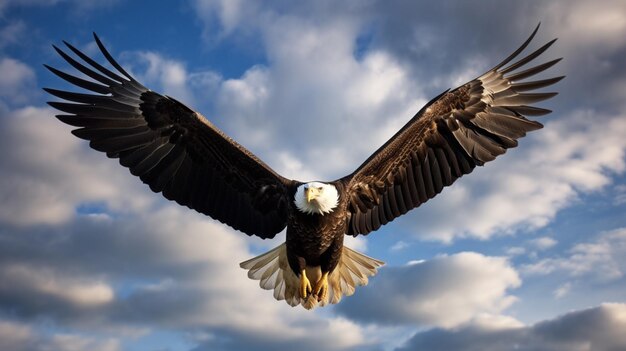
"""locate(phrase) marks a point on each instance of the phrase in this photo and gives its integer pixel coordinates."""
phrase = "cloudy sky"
(528, 252)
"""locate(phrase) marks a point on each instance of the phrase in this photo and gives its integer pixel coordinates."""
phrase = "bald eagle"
(179, 153)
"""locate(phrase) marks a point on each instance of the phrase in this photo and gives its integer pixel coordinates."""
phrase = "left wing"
(455, 132)
(171, 148)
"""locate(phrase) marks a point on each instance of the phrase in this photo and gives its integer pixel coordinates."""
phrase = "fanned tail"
(273, 272)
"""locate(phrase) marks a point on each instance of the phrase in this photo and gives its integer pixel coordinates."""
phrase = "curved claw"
(321, 287)
(305, 285)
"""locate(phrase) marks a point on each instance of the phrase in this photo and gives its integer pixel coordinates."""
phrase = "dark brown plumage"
(179, 153)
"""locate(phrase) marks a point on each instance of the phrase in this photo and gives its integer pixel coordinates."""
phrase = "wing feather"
(170, 147)
(455, 132)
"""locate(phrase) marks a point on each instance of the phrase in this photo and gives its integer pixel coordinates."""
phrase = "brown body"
(316, 239)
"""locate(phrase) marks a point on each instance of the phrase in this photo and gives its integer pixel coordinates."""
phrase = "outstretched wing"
(447, 138)
(171, 148)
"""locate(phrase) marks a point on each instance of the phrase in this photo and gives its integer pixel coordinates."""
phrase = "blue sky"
(528, 252)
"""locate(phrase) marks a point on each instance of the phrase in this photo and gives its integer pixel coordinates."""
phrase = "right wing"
(455, 132)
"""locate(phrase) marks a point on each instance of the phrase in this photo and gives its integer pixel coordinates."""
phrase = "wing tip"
(518, 50)
(48, 67)
(96, 38)
(110, 58)
(50, 91)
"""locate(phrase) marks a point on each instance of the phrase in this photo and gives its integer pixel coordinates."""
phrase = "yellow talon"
(305, 285)
(321, 287)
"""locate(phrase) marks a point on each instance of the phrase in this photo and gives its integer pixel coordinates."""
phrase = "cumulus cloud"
(444, 291)
(185, 266)
(48, 174)
(284, 110)
(599, 328)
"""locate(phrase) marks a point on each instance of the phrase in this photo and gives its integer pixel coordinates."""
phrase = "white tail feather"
(273, 272)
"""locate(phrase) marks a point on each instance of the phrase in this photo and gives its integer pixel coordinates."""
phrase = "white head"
(316, 198)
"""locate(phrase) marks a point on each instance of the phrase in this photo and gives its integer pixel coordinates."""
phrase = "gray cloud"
(15, 336)
(445, 291)
(421, 35)
(170, 269)
(154, 266)
(47, 174)
(600, 328)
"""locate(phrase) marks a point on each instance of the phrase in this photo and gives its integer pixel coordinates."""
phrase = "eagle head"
(316, 198)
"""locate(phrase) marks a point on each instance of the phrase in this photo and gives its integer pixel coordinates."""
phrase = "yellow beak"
(311, 194)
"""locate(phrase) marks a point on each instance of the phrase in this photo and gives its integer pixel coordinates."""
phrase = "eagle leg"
(305, 284)
(321, 287)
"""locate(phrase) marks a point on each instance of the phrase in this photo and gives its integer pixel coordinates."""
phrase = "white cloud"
(167, 75)
(600, 259)
(492, 322)
(17, 81)
(400, 245)
(562, 290)
(358, 243)
(542, 243)
(229, 13)
(445, 291)
(316, 99)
